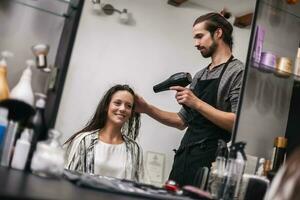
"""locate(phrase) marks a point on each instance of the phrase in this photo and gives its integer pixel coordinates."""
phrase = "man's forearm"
(167, 118)
(220, 118)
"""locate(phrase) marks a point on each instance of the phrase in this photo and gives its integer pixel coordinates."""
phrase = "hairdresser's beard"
(206, 53)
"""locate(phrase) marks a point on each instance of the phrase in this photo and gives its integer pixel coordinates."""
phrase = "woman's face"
(120, 107)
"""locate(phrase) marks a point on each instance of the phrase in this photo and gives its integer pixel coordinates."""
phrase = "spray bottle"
(4, 88)
(233, 170)
(217, 174)
(241, 160)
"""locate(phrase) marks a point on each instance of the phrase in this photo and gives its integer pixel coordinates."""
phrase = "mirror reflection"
(141, 53)
(152, 94)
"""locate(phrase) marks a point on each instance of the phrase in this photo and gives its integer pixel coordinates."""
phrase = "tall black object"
(38, 124)
(292, 131)
(62, 60)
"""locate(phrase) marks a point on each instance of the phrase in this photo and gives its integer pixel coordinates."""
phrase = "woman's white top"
(80, 155)
(110, 159)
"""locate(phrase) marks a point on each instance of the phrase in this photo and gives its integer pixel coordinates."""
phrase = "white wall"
(157, 44)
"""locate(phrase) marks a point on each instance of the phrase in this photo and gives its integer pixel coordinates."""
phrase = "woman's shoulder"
(131, 142)
(87, 135)
(84, 136)
(79, 142)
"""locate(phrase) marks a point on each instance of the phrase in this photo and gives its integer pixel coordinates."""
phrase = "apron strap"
(223, 70)
(225, 67)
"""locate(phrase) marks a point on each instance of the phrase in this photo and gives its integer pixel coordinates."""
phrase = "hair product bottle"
(3, 126)
(38, 124)
(283, 67)
(8, 143)
(4, 88)
(258, 45)
(267, 167)
(40, 51)
(241, 160)
(234, 170)
(48, 159)
(21, 150)
(217, 179)
(279, 151)
(23, 90)
(260, 169)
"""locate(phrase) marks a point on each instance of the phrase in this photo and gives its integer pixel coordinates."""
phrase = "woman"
(106, 145)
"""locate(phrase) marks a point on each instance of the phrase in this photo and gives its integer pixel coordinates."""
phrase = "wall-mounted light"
(97, 5)
(108, 9)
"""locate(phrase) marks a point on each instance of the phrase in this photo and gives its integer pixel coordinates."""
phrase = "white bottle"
(240, 168)
(260, 170)
(21, 150)
(23, 90)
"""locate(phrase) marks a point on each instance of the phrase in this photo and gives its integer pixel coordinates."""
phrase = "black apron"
(199, 144)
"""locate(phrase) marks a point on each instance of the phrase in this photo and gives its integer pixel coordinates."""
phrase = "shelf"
(54, 7)
(281, 24)
(270, 70)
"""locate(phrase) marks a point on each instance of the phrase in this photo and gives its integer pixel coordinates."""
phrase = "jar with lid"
(48, 159)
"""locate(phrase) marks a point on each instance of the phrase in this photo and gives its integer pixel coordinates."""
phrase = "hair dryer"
(179, 79)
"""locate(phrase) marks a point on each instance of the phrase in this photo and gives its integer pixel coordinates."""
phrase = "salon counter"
(16, 184)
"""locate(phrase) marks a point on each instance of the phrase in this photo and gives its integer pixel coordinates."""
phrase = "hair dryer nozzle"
(179, 79)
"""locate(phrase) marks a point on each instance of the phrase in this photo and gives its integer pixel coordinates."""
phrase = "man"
(211, 100)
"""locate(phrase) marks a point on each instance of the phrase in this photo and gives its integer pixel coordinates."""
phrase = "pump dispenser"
(217, 179)
(23, 90)
(4, 88)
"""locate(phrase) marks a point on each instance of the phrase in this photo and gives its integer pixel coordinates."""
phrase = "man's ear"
(218, 33)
